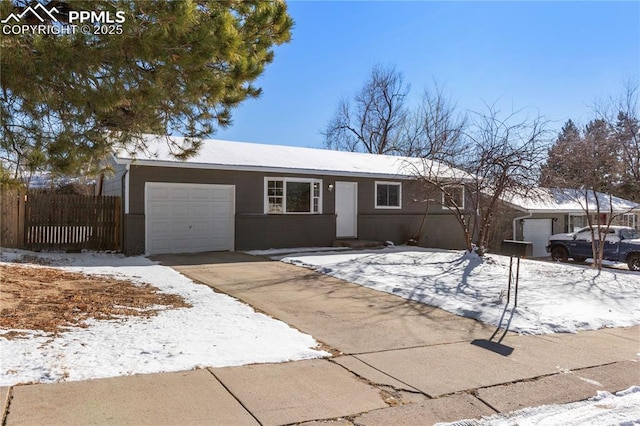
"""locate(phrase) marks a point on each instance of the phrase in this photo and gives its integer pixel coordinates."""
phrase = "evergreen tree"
(560, 169)
(627, 134)
(178, 67)
(600, 158)
(588, 159)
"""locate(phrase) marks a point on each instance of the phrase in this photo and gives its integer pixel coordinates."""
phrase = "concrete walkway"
(395, 362)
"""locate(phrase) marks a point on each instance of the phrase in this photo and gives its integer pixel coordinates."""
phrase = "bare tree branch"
(372, 121)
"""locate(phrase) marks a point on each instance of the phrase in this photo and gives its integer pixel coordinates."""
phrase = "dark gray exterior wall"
(256, 230)
(133, 242)
(261, 231)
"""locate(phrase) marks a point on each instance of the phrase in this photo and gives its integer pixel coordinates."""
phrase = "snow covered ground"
(623, 408)
(216, 331)
(552, 297)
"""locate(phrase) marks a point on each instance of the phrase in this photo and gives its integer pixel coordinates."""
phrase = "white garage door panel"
(204, 227)
(537, 231)
(202, 209)
(161, 210)
(200, 194)
(179, 194)
(158, 194)
(184, 218)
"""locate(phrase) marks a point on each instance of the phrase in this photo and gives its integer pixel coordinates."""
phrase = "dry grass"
(50, 300)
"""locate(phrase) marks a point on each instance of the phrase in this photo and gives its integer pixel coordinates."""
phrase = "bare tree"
(435, 129)
(372, 121)
(504, 156)
(597, 203)
(601, 212)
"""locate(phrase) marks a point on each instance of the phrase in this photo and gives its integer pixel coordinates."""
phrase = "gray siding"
(282, 231)
(133, 243)
(112, 183)
(256, 230)
(439, 231)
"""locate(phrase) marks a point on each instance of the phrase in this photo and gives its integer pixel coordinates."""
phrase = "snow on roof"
(218, 154)
(554, 200)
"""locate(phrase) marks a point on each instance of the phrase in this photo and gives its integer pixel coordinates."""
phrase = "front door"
(346, 209)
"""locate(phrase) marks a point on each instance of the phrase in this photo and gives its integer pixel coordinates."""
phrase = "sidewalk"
(396, 362)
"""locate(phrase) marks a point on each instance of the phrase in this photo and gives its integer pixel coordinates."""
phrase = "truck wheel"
(559, 254)
(634, 262)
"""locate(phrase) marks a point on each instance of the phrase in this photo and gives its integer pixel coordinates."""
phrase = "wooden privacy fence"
(64, 222)
(11, 218)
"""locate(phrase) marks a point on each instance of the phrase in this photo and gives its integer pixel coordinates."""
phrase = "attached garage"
(189, 218)
(538, 231)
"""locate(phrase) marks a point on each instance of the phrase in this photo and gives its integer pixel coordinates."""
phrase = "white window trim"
(444, 201)
(570, 222)
(284, 181)
(375, 194)
(634, 220)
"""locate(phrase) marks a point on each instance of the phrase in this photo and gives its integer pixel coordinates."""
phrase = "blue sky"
(557, 58)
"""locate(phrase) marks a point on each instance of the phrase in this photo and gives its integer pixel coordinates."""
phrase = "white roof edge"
(206, 166)
(563, 201)
(580, 211)
(245, 156)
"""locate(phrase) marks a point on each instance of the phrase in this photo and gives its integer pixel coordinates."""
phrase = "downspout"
(515, 233)
(125, 193)
(125, 202)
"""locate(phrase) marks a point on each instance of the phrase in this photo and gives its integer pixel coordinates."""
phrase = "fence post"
(10, 217)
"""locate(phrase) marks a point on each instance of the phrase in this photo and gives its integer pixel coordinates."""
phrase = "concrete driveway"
(417, 348)
(348, 317)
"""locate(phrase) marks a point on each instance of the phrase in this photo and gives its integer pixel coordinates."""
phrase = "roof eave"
(245, 168)
(578, 211)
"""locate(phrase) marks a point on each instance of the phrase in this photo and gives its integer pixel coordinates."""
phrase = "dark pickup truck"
(621, 244)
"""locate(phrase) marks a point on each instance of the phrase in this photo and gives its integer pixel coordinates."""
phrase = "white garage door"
(537, 231)
(188, 218)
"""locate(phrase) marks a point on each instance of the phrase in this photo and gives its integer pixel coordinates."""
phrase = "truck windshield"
(629, 234)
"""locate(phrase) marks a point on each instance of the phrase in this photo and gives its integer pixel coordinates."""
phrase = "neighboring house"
(552, 211)
(243, 196)
(46, 181)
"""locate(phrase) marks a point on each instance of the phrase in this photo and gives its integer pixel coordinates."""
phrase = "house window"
(388, 195)
(629, 219)
(292, 195)
(452, 197)
(576, 222)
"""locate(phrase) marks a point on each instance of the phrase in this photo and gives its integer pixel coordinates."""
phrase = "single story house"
(546, 211)
(244, 196)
